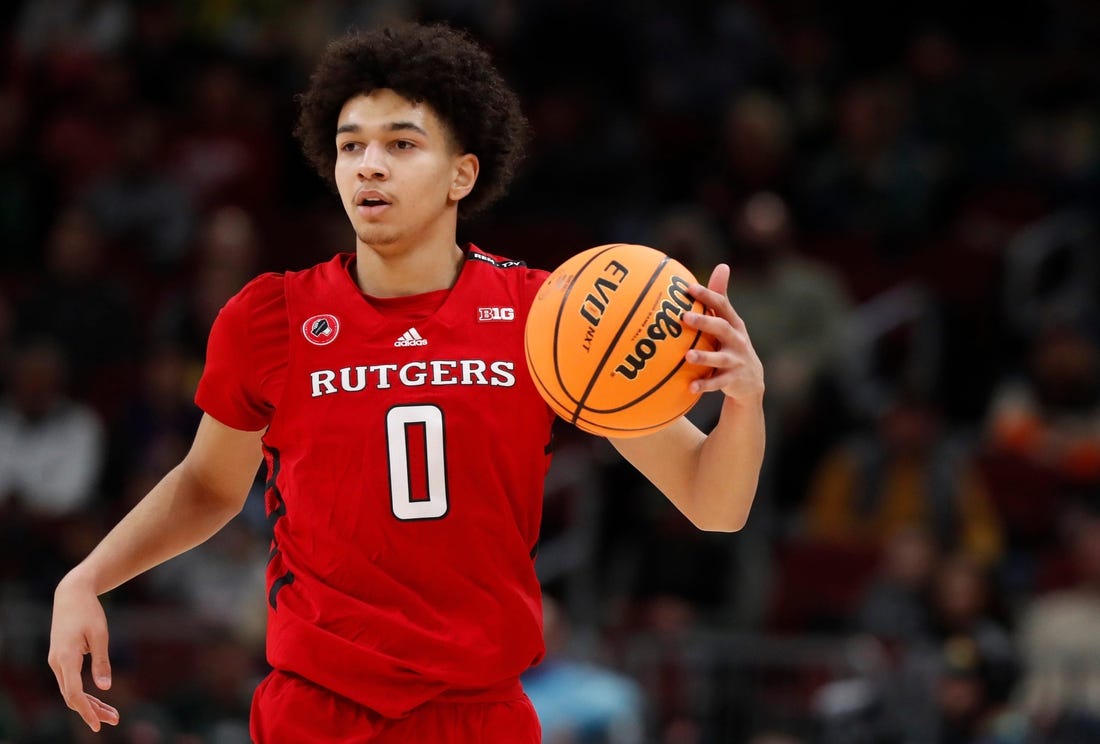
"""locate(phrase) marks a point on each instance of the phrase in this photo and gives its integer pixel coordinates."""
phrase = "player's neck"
(425, 267)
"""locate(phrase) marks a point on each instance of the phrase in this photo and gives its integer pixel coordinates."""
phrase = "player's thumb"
(719, 279)
(101, 663)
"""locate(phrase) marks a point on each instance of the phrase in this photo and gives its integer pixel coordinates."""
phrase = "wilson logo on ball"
(666, 324)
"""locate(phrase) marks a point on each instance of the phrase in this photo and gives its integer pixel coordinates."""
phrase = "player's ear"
(464, 176)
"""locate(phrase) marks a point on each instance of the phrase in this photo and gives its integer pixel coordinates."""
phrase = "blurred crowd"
(908, 195)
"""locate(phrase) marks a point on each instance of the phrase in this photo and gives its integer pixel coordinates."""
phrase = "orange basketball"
(605, 343)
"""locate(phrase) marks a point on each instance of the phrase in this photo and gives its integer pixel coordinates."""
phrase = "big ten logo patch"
(489, 314)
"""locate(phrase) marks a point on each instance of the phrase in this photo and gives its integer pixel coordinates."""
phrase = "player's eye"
(349, 147)
(404, 145)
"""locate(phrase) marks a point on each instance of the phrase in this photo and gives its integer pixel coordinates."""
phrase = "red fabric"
(289, 709)
(382, 608)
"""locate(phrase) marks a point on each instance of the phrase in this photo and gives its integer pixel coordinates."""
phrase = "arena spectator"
(51, 447)
(143, 212)
(1050, 415)
(908, 472)
(84, 306)
(579, 700)
(1058, 639)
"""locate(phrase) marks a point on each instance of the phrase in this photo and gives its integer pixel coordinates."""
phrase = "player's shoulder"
(332, 267)
(269, 290)
(514, 269)
(266, 291)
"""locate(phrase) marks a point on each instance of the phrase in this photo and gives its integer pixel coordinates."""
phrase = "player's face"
(398, 171)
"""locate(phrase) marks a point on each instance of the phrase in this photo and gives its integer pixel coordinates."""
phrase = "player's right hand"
(80, 627)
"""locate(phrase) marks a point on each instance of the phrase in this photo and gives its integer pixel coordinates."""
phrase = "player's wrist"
(745, 398)
(82, 578)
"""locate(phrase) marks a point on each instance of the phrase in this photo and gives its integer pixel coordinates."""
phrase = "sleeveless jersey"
(405, 466)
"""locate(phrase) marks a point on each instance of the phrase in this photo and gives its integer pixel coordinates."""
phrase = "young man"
(405, 443)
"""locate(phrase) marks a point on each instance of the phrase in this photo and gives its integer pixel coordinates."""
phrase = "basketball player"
(405, 443)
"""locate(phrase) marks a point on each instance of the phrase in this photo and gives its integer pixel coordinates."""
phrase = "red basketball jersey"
(406, 461)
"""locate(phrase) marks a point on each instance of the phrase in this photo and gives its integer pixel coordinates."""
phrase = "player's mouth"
(371, 203)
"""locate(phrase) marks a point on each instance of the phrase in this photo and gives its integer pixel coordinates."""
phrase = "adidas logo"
(411, 338)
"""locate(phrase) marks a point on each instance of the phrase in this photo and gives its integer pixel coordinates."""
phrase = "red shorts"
(290, 710)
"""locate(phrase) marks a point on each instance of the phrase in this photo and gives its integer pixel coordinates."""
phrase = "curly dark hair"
(433, 64)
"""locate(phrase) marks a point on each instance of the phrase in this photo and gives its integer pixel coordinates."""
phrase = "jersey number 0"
(415, 434)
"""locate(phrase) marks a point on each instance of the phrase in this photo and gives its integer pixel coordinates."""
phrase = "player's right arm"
(247, 345)
(192, 502)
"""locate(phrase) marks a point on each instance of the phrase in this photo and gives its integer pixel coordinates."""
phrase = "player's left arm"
(712, 478)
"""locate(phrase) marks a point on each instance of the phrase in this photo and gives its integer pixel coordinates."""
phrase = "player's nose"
(373, 165)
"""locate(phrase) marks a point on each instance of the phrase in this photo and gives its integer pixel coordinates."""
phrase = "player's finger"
(108, 714)
(724, 371)
(717, 302)
(72, 690)
(719, 307)
(720, 328)
(707, 296)
(713, 382)
(101, 664)
(60, 664)
(66, 667)
(716, 359)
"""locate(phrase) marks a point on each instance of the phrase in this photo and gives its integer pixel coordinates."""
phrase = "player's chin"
(377, 235)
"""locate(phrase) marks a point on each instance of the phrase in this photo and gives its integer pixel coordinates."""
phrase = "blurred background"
(907, 193)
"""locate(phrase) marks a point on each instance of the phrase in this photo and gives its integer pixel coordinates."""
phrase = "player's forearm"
(179, 513)
(727, 471)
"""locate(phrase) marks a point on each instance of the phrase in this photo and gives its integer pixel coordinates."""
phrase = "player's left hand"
(738, 371)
